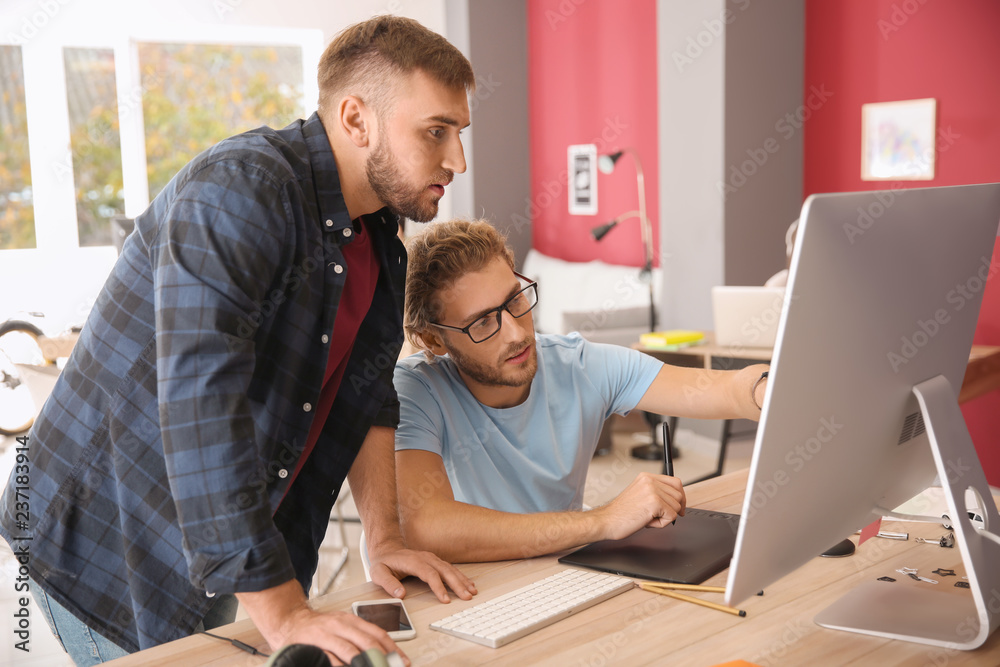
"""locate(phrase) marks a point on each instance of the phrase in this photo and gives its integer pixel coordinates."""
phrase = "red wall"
(885, 50)
(592, 79)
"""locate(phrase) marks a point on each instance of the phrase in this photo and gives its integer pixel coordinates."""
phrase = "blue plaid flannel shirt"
(158, 463)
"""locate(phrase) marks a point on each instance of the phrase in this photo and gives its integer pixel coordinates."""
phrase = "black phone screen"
(390, 616)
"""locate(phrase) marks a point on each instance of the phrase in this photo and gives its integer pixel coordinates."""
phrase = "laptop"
(697, 546)
(746, 316)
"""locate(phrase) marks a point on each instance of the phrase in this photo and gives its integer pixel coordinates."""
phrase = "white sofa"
(606, 303)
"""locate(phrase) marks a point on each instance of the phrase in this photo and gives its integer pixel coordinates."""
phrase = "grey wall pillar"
(501, 185)
(730, 157)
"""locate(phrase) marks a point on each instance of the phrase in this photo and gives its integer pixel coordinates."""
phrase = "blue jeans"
(86, 647)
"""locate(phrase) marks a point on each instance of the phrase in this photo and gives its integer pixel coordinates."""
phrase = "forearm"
(699, 393)
(373, 485)
(462, 533)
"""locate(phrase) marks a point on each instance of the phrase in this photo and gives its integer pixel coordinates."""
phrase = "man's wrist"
(272, 609)
(759, 404)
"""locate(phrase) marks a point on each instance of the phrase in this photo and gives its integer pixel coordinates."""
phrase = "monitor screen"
(883, 296)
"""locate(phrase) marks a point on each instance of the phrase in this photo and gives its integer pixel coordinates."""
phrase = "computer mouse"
(843, 548)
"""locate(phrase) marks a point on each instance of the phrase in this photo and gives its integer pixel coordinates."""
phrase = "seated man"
(495, 438)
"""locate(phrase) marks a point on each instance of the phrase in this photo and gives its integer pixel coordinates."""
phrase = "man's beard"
(392, 190)
(493, 376)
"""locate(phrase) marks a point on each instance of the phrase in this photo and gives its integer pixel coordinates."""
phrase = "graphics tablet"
(699, 545)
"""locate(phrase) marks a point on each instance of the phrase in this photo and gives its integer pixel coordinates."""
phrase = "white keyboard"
(501, 620)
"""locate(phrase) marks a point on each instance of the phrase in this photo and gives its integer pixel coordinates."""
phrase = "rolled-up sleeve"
(213, 261)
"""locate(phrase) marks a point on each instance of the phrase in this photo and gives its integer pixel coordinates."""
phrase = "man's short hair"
(367, 58)
(437, 257)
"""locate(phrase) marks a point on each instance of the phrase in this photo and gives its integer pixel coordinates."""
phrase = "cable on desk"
(238, 644)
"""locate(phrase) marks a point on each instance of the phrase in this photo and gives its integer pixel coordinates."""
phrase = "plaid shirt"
(158, 464)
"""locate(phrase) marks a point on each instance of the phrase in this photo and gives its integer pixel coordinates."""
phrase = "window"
(17, 214)
(128, 114)
(195, 95)
(94, 141)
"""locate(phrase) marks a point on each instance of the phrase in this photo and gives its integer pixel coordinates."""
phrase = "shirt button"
(209, 595)
(337, 268)
(282, 473)
(347, 232)
(325, 339)
(307, 407)
(329, 223)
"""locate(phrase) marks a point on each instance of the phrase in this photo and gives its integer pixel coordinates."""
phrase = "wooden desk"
(640, 628)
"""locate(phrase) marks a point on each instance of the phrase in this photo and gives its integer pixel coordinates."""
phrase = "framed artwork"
(582, 179)
(897, 140)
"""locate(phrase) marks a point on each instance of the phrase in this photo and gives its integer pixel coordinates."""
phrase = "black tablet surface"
(699, 545)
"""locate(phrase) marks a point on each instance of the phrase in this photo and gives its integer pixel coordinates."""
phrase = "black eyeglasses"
(487, 325)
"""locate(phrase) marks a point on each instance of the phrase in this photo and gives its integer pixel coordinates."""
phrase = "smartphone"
(389, 614)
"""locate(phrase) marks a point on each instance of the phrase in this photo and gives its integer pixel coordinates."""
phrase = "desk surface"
(639, 628)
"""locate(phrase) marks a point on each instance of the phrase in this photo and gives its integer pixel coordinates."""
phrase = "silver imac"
(861, 410)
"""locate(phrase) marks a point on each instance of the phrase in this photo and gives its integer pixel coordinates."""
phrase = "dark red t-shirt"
(359, 289)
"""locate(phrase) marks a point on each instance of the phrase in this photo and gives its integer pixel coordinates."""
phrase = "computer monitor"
(861, 412)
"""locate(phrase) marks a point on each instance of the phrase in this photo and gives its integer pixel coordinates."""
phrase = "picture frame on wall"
(582, 169)
(897, 140)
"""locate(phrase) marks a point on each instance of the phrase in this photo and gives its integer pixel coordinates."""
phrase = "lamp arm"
(644, 222)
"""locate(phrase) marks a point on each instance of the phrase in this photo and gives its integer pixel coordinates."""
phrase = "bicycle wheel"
(19, 350)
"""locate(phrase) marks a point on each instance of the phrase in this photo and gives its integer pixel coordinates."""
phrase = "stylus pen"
(668, 459)
(699, 601)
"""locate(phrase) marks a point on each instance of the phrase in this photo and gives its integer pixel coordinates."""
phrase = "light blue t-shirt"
(532, 457)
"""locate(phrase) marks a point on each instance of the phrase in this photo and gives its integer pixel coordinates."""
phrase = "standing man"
(238, 364)
(498, 425)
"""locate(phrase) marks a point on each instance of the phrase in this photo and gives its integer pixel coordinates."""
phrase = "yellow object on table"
(672, 339)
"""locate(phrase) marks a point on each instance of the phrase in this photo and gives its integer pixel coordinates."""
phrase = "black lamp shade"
(601, 231)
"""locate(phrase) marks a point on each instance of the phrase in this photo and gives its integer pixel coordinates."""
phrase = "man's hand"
(284, 617)
(341, 634)
(394, 562)
(649, 501)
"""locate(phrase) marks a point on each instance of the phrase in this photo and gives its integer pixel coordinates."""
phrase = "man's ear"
(432, 342)
(355, 120)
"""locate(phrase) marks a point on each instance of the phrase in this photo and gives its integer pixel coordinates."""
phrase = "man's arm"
(699, 393)
(373, 484)
(460, 532)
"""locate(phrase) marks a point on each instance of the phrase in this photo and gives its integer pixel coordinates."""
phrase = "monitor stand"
(918, 614)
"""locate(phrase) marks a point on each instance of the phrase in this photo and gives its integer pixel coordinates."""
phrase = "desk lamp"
(606, 163)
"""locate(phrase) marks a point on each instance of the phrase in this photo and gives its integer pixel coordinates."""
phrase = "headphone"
(307, 655)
